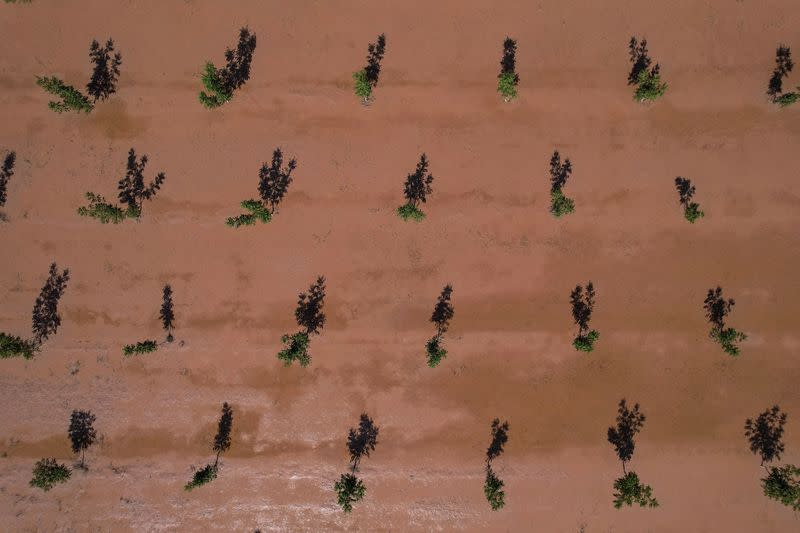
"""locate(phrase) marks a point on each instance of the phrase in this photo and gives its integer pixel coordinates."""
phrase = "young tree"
(362, 441)
(765, 434)
(139, 348)
(647, 80)
(349, 489)
(416, 190)
(629, 423)
(47, 473)
(222, 442)
(82, 433)
(582, 308)
(366, 79)
(221, 83)
(691, 210)
(132, 191)
(559, 173)
(167, 315)
(71, 99)
(45, 317)
(6, 172)
(309, 316)
(273, 183)
(783, 485)
(508, 79)
(783, 66)
(106, 70)
(629, 490)
(492, 488)
(442, 314)
(717, 308)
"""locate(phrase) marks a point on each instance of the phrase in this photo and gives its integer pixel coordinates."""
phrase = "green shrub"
(258, 212)
(787, 99)
(409, 211)
(139, 348)
(217, 95)
(12, 346)
(492, 488)
(435, 352)
(507, 85)
(71, 98)
(560, 205)
(349, 489)
(47, 473)
(297, 349)
(585, 343)
(205, 475)
(649, 86)
(783, 485)
(692, 212)
(727, 338)
(101, 210)
(362, 86)
(629, 490)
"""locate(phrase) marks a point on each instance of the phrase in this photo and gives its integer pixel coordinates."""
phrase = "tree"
(71, 99)
(717, 308)
(106, 70)
(783, 485)
(222, 442)
(416, 189)
(362, 441)
(442, 314)
(629, 490)
(559, 173)
(47, 473)
(167, 315)
(691, 210)
(508, 79)
(139, 348)
(132, 191)
(221, 83)
(273, 183)
(207, 474)
(783, 66)
(45, 317)
(765, 433)
(629, 423)
(582, 308)
(349, 489)
(309, 316)
(647, 80)
(13, 346)
(499, 439)
(366, 79)
(6, 172)
(82, 433)
(492, 488)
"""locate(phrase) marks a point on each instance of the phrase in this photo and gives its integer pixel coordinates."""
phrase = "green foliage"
(492, 488)
(692, 212)
(409, 211)
(783, 485)
(47, 473)
(787, 99)
(585, 343)
(71, 98)
(727, 338)
(649, 86)
(559, 204)
(362, 86)
(435, 351)
(349, 489)
(101, 210)
(258, 212)
(139, 348)
(205, 475)
(629, 490)
(297, 349)
(12, 346)
(507, 85)
(212, 81)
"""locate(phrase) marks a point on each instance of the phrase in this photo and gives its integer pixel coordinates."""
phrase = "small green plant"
(435, 351)
(258, 213)
(207, 474)
(727, 338)
(47, 473)
(222, 443)
(783, 485)
(366, 79)
(787, 99)
(310, 317)
(582, 309)
(647, 80)
(629, 490)
(296, 349)
(217, 94)
(508, 79)
(560, 172)
(649, 86)
(13, 346)
(139, 348)
(349, 489)
(560, 205)
(717, 308)
(416, 189)
(273, 183)
(410, 212)
(585, 343)
(221, 83)
(71, 98)
(493, 489)
(101, 210)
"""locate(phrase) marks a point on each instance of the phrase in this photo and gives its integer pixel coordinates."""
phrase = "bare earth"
(488, 232)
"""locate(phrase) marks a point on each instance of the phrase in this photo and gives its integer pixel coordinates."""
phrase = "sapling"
(508, 79)
(559, 173)
(416, 189)
(765, 433)
(71, 99)
(691, 210)
(222, 442)
(717, 308)
(6, 171)
(221, 83)
(139, 348)
(782, 484)
(167, 314)
(647, 80)
(47, 473)
(582, 309)
(106, 70)
(82, 433)
(360, 442)
(273, 183)
(493, 485)
(310, 317)
(442, 314)
(366, 79)
(349, 489)
(629, 489)
(783, 66)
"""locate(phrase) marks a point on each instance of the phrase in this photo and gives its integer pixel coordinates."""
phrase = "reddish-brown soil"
(488, 232)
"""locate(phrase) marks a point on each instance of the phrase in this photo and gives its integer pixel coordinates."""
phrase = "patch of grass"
(435, 352)
(507, 85)
(560, 205)
(692, 212)
(101, 210)
(787, 99)
(212, 81)
(649, 86)
(207, 474)
(71, 98)
(297, 349)
(410, 212)
(47, 473)
(13, 346)
(361, 85)
(585, 343)
(258, 212)
(140, 347)
(727, 338)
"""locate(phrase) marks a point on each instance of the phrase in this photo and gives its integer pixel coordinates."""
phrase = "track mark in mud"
(113, 120)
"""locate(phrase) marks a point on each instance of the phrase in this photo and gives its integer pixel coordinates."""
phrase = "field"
(488, 232)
